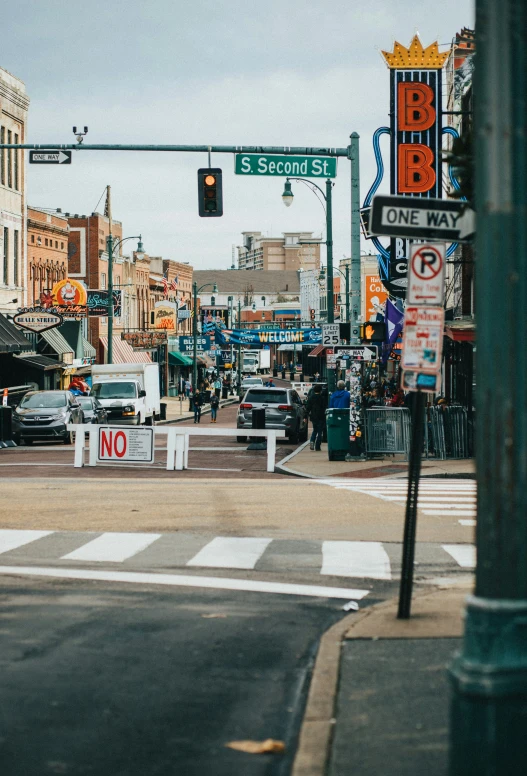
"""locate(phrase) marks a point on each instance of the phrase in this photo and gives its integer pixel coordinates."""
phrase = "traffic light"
(373, 331)
(210, 195)
(312, 313)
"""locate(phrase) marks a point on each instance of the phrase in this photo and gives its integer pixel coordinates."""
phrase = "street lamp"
(287, 199)
(196, 291)
(111, 245)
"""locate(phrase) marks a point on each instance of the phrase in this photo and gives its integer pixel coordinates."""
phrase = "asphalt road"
(116, 680)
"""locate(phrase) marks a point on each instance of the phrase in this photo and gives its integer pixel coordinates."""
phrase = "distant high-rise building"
(289, 252)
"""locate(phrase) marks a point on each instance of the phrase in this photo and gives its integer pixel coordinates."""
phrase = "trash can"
(337, 424)
(162, 411)
(6, 427)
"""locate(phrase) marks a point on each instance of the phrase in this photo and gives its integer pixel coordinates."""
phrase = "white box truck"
(255, 361)
(129, 392)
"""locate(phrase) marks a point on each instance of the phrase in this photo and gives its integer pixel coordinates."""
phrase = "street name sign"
(37, 319)
(331, 334)
(423, 218)
(50, 157)
(304, 166)
(126, 445)
(426, 274)
(359, 352)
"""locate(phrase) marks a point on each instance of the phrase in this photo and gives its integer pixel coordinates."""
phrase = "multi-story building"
(286, 253)
(47, 252)
(14, 104)
(310, 295)
(260, 288)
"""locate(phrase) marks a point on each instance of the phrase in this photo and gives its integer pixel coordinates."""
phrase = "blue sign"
(263, 337)
(186, 344)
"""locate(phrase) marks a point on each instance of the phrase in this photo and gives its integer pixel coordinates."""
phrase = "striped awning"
(11, 339)
(123, 353)
(317, 351)
(57, 342)
(89, 350)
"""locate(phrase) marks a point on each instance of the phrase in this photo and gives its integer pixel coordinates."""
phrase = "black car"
(92, 410)
(45, 415)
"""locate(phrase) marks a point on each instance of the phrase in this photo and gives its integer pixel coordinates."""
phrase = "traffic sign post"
(422, 219)
(50, 157)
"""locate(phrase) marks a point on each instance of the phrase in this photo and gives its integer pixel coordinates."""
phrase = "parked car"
(46, 414)
(284, 409)
(248, 381)
(92, 410)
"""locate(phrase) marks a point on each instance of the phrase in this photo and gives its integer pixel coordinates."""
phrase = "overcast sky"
(237, 72)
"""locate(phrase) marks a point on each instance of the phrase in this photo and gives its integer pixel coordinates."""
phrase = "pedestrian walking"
(187, 388)
(217, 387)
(340, 398)
(316, 411)
(214, 406)
(197, 403)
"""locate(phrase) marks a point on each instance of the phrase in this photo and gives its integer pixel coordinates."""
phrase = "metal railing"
(448, 432)
(387, 430)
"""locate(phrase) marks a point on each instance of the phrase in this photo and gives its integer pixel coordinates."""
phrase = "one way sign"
(423, 219)
(50, 157)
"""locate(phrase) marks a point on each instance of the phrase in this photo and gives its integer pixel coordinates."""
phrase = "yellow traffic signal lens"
(210, 180)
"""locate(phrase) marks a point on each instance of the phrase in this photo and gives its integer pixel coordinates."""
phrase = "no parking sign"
(426, 274)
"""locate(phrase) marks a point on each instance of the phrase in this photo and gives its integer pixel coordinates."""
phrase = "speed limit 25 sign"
(331, 334)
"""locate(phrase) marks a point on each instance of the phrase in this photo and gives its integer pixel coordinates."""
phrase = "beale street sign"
(37, 319)
(422, 218)
(266, 164)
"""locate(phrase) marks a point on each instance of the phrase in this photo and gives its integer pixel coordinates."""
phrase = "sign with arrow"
(50, 157)
(423, 218)
(359, 353)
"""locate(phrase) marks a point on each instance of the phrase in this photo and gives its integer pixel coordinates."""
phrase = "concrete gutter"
(435, 614)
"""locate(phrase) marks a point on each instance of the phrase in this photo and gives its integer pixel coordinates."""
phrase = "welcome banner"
(258, 338)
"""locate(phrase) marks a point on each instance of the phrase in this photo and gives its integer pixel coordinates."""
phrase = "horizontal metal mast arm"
(202, 149)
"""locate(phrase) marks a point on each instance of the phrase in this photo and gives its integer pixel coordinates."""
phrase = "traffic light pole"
(489, 676)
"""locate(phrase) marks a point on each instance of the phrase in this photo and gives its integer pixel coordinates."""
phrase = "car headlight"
(128, 410)
(60, 416)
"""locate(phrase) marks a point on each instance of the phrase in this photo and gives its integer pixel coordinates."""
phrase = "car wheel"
(241, 439)
(68, 439)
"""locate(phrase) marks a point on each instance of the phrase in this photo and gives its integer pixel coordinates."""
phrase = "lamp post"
(287, 198)
(111, 245)
(195, 292)
(239, 369)
(346, 276)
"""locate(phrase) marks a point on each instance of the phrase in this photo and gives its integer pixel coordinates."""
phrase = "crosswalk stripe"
(355, 559)
(449, 512)
(423, 499)
(467, 523)
(463, 554)
(10, 539)
(113, 547)
(229, 552)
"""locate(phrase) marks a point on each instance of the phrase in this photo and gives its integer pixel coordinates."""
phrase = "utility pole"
(355, 239)
(489, 704)
(109, 243)
(239, 365)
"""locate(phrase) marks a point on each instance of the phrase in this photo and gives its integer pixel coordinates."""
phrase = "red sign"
(126, 445)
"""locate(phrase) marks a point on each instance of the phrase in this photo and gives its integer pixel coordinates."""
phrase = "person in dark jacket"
(340, 398)
(316, 411)
(197, 402)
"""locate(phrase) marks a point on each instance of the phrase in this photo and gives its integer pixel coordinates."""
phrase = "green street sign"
(302, 166)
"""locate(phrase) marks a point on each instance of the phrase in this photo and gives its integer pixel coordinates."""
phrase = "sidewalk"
(308, 463)
(378, 701)
(178, 411)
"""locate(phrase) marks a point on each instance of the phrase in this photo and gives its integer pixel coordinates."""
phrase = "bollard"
(258, 422)
(6, 427)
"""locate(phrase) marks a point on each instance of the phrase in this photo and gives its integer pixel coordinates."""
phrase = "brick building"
(47, 252)
(279, 253)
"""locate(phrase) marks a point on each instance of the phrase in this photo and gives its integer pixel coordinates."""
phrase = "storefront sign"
(69, 292)
(374, 298)
(144, 340)
(186, 344)
(97, 302)
(164, 315)
(37, 319)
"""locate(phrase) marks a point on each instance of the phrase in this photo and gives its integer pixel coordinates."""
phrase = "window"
(46, 241)
(6, 254)
(56, 243)
(62, 246)
(117, 280)
(15, 258)
(15, 152)
(9, 160)
(103, 280)
(32, 238)
(2, 157)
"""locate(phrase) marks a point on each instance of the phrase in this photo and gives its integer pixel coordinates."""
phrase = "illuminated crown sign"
(415, 57)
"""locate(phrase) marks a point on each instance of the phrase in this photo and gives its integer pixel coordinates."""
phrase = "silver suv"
(284, 409)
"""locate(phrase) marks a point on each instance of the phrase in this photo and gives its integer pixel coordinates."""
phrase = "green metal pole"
(355, 238)
(109, 244)
(329, 289)
(489, 704)
(347, 294)
(195, 340)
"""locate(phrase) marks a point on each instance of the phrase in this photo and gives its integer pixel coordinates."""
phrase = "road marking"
(10, 539)
(176, 580)
(463, 554)
(457, 499)
(230, 553)
(467, 522)
(355, 559)
(449, 512)
(114, 547)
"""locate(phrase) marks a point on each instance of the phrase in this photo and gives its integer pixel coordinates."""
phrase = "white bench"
(177, 442)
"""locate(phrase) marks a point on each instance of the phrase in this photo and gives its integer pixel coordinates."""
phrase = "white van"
(128, 392)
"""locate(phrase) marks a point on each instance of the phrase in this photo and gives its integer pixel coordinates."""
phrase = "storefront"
(179, 369)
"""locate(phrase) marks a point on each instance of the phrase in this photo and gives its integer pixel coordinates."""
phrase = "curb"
(316, 732)
(280, 468)
(228, 402)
